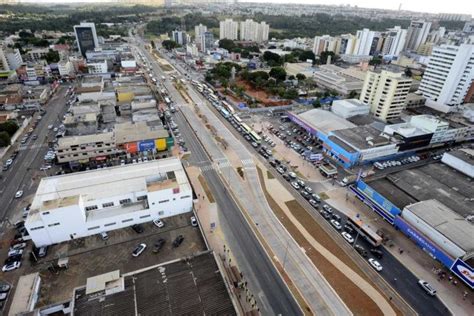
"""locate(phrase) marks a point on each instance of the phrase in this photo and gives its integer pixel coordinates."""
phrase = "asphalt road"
(253, 261)
(24, 172)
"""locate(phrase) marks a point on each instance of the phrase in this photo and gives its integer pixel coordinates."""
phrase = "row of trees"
(244, 51)
(296, 55)
(7, 130)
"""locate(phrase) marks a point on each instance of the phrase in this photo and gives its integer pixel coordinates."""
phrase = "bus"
(246, 128)
(225, 113)
(167, 100)
(194, 82)
(237, 120)
(364, 230)
(228, 107)
(255, 137)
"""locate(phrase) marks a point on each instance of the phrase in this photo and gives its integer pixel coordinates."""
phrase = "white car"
(138, 251)
(44, 168)
(9, 162)
(295, 185)
(347, 237)
(375, 264)
(158, 223)
(336, 224)
(15, 252)
(427, 287)
(18, 194)
(11, 266)
(194, 222)
(18, 246)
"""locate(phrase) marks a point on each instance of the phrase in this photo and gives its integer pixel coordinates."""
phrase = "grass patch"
(209, 195)
(323, 196)
(300, 175)
(240, 171)
(166, 67)
(270, 175)
(357, 301)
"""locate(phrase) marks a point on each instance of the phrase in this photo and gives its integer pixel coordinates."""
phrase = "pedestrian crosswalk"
(222, 163)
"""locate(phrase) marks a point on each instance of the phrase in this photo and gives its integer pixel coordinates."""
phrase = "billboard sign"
(423, 242)
(146, 145)
(376, 197)
(464, 272)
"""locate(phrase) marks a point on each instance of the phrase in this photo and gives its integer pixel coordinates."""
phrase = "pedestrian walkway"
(281, 196)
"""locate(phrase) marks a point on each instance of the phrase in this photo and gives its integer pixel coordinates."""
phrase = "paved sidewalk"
(281, 195)
(414, 258)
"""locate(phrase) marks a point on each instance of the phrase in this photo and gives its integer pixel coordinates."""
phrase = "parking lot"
(92, 256)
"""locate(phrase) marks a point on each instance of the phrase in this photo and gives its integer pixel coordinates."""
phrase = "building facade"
(254, 31)
(394, 42)
(228, 29)
(86, 37)
(448, 76)
(417, 33)
(364, 40)
(386, 93)
(199, 30)
(82, 204)
(207, 41)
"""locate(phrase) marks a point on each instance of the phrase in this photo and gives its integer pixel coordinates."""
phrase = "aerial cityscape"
(222, 157)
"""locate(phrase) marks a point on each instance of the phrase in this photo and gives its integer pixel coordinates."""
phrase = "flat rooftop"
(464, 154)
(446, 221)
(114, 181)
(131, 132)
(191, 286)
(324, 121)
(360, 136)
(431, 181)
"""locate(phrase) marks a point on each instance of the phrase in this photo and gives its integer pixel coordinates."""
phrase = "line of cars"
(4, 290)
(9, 162)
(394, 163)
(140, 248)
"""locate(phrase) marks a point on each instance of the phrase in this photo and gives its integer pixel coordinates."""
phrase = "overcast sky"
(432, 6)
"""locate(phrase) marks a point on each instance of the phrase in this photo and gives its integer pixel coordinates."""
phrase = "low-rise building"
(97, 67)
(342, 80)
(81, 204)
(349, 107)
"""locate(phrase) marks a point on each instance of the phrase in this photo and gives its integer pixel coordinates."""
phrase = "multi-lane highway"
(24, 172)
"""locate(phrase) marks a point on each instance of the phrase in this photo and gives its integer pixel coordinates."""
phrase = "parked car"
(336, 224)
(18, 194)
(18, 246)
(361, 250)
(375, 264)
(12, 266)
(139, 249)
(14, 252)
(158, 245)
(4, 288)
(159, 223)
(104, 235)
(178, 241)
(327, 208)
(326, 215)
(3, 296)
(295, 185)
(42, 251)
(194, 222)
(377, 253)
(138, 228)
(313, 203)
(427, 287)
(347, 237)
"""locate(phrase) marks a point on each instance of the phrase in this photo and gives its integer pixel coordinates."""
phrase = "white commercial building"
(86, 38)
(349, 107)
(394, 41)
(386, 93)
(99, 67)
(448, 76)
(228, 29)
(254, 31)
(65, 68)
(345, 44)
(462, 160)
(81, 204)
(10, 59)
(364, 40)
(417, 33)
(180, 37)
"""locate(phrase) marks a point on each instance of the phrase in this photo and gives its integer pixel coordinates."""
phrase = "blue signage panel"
(378, 198)
(381, 212)
(464, 272)
(298, 121)
(423, 242)
(145, 145)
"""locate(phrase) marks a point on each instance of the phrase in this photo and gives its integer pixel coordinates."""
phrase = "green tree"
(307, 54)
(300, 76)
(152, 44)
(169, 45)
(408, 72)
(227, 44)
(291, 94)
(375, 61)
(352, 94)
(323, 57)
(278, 73)
(272, 59)
(4, 139)
(291, 77)
(316, 103)
(52, 56)
(10, 127)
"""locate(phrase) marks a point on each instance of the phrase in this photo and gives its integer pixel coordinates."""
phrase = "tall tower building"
(386, 93)
(417, 33)
(86, 37)
(199, 30)
(394, 43)
(206, 41)
(179, 37)
(448, 76)
(3, 61)
(228, 29)
(364, 40)
(324, 43)
(254, 31)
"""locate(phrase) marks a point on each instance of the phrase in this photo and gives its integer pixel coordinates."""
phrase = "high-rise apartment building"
(10, 59)
(364, 40)
(86, 37)
(386, 93)
(206, 41)
(448, 76)
(394, 41)
(228, 29)
(3, 61)
(179, 37)
(198, 31)
(417, 33)
(254, 31)
(345, 44)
